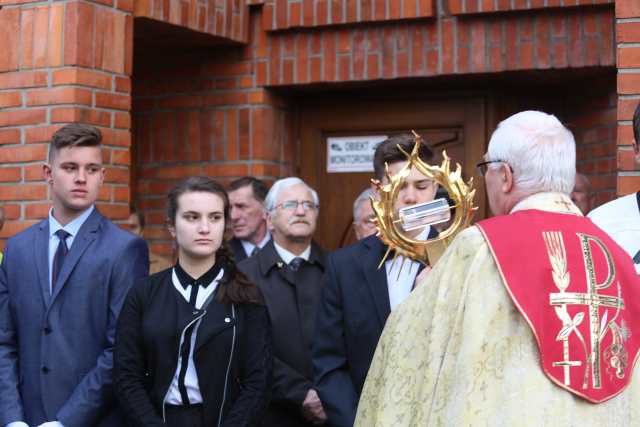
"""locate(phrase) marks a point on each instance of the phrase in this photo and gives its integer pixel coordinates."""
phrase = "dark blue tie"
(58, 258)
(295, 263)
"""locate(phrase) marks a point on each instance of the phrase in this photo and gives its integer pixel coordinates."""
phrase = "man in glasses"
(621, 217)
(358, 296)
(289, 270)
(530, 318)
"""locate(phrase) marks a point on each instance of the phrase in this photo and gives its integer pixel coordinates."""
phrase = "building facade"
(228, 88)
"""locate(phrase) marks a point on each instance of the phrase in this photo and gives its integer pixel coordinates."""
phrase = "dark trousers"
(184, 416)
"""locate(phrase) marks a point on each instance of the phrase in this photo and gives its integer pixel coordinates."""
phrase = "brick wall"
(225, 110)
(628, 38)
(62, 62)
(221, 18)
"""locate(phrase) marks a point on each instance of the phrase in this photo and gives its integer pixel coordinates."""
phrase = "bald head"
(582, 194)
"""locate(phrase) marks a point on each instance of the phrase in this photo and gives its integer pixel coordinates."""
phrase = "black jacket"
(232, 355)
(292, 299)
(354, 308)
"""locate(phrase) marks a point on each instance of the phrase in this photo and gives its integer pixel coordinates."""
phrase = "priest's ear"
(506, 176)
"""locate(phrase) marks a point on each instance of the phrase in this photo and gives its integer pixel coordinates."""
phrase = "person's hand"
(423, 275)
(51, 424)
(312, 408)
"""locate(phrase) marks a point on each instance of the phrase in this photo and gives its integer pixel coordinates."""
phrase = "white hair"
(539, 149)
(363, 197)
(272, 196)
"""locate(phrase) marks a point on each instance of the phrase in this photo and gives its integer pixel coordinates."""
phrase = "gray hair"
(539, 149)
(272, 196)
(363, 197)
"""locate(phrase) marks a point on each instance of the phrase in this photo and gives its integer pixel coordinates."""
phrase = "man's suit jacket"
(354, 308)
(238, 250)
(292, 299)
(56, 349)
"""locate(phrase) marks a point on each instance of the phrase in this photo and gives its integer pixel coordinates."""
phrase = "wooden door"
(455, 125)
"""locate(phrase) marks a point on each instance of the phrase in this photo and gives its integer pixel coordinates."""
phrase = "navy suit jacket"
(352, 314)
(56, 349)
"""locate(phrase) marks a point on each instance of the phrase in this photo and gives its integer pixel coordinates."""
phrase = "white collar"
(287, 256)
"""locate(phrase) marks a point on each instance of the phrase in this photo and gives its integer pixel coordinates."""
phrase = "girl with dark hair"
(193, 343)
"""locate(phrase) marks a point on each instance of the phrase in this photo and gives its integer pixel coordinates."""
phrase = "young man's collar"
(72, 227)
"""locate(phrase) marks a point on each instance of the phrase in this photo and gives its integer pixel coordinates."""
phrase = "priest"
(530, 318)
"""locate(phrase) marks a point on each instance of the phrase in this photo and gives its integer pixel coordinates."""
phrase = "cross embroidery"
(592, 299)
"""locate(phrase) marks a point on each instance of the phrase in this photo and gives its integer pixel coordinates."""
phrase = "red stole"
(579, 293)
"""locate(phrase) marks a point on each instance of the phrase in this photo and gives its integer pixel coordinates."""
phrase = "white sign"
(352, 153)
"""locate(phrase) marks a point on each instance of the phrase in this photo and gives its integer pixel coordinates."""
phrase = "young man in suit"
(248, 217)
(358, 297)
(62, 284)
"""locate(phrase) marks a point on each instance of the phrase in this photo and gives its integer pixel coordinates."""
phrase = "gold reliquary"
(400, 228)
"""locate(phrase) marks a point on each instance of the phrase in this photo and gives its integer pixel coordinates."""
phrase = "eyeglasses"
(483, 166)
(292, 205)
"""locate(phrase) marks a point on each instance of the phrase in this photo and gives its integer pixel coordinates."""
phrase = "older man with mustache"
(289, 271)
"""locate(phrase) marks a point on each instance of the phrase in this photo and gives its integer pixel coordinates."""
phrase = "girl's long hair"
(234, 287)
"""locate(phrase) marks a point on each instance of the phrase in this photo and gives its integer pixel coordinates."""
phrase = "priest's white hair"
(271, 200)
(539, 149)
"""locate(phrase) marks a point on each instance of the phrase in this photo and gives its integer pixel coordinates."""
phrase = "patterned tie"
(58, 258)
(295, 263)
(254, 251)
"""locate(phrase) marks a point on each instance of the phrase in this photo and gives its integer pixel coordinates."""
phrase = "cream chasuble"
(458, 353)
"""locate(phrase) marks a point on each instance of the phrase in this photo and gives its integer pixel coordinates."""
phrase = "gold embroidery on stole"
(616, 353)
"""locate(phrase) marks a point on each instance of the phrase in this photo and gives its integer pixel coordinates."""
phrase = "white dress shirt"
(287, 256)
(248, 246)
(620, 219)
(191, 378)
(401, 274)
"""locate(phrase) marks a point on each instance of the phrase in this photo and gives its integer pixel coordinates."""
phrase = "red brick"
(114, 212)
(448, 30)
(55, 35)
(122, 120)
(628, 57)
(10, 99)
(478, 46)
(114, 101)
(628, 184)
(627, 9)
(26, 27)
(78, 76)
(11, 211)
(626, 108)
(39, 134)
(78, 48)
(628, 83)
(37, 210)
(624, 135)
(23, 79)
(10, 37)
(117, 137)
(67, 95)
(628, 32)
(123, 84)
(23, 154)
(33, 172)
(9, 136)
(83, 115)
(22, 117)
(226, 169)
(121, 194)
(23, 192)
(13, 174)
